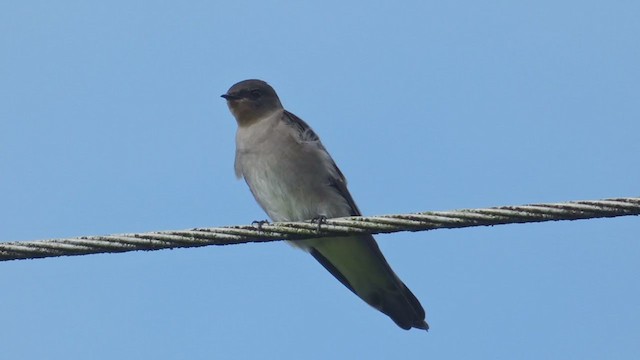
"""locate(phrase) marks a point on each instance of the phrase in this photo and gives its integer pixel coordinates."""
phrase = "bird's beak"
(229, 97)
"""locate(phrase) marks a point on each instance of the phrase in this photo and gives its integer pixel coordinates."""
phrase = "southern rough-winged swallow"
(293, 178)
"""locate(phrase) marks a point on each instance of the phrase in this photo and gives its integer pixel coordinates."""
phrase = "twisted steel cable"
(228, 235)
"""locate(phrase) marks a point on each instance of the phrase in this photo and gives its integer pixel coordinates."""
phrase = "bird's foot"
(319, 220)
(259, 223)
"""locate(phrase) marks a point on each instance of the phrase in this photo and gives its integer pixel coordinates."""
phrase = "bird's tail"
(359, 264)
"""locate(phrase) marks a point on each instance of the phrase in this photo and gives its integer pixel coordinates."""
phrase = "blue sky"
(111, 122)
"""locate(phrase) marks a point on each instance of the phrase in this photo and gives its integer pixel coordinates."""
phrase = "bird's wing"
(306, 135)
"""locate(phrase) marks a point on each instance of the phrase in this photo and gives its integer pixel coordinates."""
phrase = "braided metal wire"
(228, 235)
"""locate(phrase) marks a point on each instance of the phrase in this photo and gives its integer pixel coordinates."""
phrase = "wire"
(228, 235)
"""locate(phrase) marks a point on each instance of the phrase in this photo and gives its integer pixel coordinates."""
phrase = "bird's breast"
(289, 182)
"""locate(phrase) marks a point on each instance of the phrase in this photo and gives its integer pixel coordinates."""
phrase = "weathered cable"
(331, 227)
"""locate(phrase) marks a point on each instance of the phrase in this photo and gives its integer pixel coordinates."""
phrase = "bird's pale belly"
(287, 195)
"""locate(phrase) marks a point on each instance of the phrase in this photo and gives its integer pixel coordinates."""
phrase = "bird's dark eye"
(255, 94)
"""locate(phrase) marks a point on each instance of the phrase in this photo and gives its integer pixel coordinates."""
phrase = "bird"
(293, 178)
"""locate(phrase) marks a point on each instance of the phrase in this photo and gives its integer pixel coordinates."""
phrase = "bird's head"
(252, 100)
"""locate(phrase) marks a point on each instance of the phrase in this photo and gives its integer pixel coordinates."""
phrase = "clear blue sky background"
(111, 122)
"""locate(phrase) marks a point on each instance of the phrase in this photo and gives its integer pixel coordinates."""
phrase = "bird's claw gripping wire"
(259, 223)
(319, 220)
